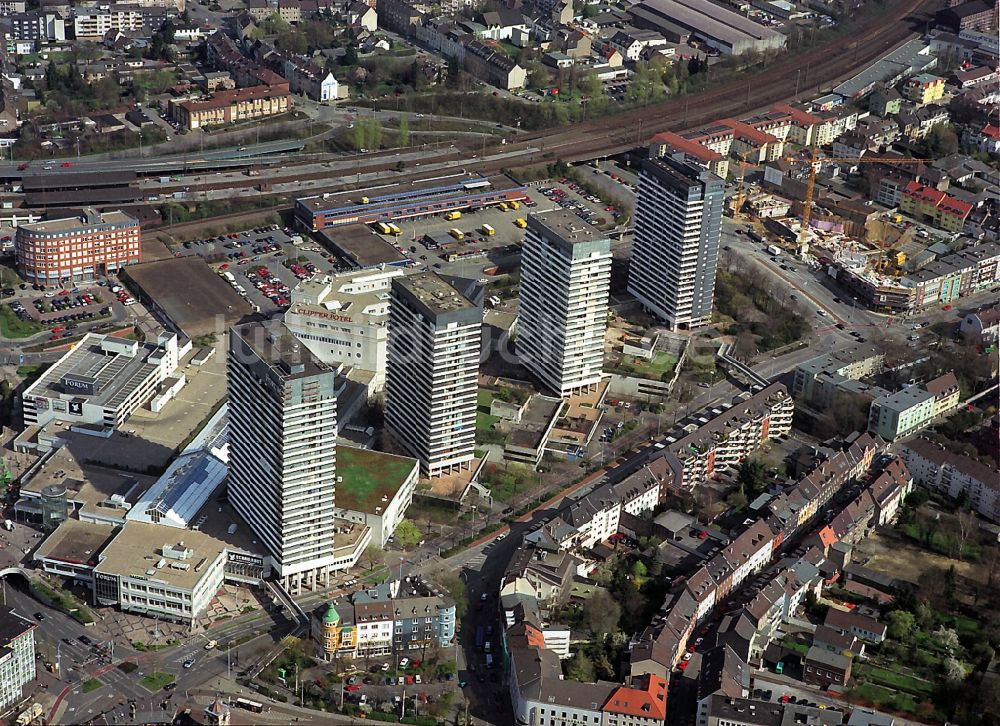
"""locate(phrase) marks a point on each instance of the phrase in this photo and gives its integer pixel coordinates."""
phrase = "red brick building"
(57, 251)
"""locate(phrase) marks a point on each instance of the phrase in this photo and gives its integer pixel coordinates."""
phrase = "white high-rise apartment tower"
(432, 366)
(282, 450)
(563, 314)
(678, 222)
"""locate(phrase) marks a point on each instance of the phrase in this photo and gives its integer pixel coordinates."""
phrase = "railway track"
(806, 73)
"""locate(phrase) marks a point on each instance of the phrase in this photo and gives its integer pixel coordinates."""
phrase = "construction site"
(898, 251)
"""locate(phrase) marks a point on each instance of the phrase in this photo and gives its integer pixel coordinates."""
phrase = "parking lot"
(264, 263)
(427, 240)
(567, 195)
(65, 311)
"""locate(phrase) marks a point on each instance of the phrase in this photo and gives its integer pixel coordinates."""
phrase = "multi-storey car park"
(406, 201)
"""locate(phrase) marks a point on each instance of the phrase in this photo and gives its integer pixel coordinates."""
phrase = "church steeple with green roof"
(332, 617)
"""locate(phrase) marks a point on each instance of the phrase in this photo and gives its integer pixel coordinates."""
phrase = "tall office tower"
(282, 450)
(432, 365)
(678, 221)
(565, 279)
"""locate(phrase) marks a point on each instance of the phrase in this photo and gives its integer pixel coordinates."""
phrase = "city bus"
(249, 705)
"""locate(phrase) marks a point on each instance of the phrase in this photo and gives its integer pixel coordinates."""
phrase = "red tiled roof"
(225, 98)
(955, 206)
(991, 131)
(924, 193)
(691, 148)
(797, 115)
(745, 132)
(649, 701)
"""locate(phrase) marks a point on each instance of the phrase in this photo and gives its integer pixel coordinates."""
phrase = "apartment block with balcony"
(562, 319)
(432, 368)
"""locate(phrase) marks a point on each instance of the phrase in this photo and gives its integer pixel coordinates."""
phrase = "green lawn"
(880, 696)
(92, 685)
(484, 421)
(156, 681)
(795, 646)
(368, 476)
(12, 326)
(892, 679)
(662, 364)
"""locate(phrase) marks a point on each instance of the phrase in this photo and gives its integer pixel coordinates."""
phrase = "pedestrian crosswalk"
(476, 563)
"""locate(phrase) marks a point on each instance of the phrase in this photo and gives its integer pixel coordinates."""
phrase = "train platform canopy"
(77, 180)
(68, 197)
(406, 200)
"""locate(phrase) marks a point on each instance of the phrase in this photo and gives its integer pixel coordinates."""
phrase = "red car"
(353, 687)
(22, 167)
(67, 164)
(683, 665)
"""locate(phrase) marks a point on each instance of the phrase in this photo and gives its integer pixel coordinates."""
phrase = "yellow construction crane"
(738, 197)
(814, 163)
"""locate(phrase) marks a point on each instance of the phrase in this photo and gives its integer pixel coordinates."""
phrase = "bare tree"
(967, 525)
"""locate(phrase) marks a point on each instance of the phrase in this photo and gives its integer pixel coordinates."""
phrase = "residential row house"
(384, 620)
(226, 107)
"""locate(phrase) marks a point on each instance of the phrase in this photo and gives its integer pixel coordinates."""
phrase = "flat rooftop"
(568, 228)
(369, 479)
(274, 344)
(434, 293)
(195, 308)
(107, 375)
(138, 547)
(97, 491)
(360, 246)
(69, 224)
(75, 542)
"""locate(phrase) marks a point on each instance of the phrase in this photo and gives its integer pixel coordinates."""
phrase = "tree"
(291, 41)
(947, 637)
(350, 57)
(455, 586)
(374, 554)
(601, 612)
(941, 140)
(581, 668)
(954, 670)
(901, 625)
(639, 571)
(408, 534)
(751, 476)
(403, 135)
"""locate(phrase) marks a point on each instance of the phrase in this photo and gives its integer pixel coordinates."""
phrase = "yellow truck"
(457, 234)
(514, 205)
(488, 230)
(520, 222)
(383, 228)
(394, 229)
(503, 206)
(452, 216)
